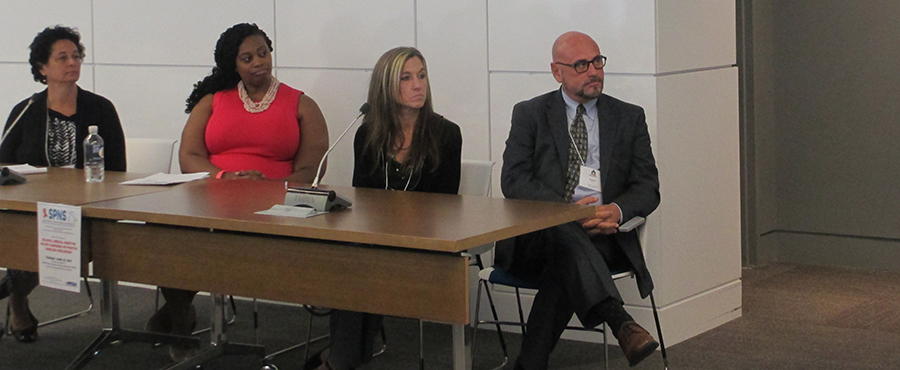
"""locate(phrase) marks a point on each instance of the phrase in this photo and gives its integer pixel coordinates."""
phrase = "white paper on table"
(59, 246)
(26, 169)
(166, 179)
(291, 211)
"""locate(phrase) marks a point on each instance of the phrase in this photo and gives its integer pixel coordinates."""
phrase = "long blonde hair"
(384, 117)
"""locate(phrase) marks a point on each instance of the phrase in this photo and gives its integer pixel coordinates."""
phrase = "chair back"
(475, 177)
(149, 155)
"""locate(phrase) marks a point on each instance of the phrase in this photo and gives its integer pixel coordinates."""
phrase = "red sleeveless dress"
(268, 141)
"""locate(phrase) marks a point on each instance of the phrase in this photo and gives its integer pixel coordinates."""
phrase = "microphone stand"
(313, 197)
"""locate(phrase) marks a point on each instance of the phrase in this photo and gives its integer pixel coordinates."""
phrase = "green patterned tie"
(578, 143)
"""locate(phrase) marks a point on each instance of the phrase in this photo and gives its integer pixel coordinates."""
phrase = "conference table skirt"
(359, 277)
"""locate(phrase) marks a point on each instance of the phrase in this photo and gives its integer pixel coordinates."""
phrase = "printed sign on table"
(59, 246)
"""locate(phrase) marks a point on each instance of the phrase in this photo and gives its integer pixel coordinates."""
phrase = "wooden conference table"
(18, 204)
(393, 253)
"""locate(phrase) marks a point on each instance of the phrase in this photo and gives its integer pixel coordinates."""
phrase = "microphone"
(10, 177)
(6, 133)
(313, 197)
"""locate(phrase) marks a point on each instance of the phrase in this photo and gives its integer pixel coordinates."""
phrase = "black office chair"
(498, 276)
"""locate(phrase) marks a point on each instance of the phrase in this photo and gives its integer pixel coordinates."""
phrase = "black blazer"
(536, 160)
(26, 141)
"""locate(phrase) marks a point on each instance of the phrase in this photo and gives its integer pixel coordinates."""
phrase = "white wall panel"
(699, 164)
(451, 36)
(20, 21)
(696, 34)
(170, 32)
(638, 90)
(341, 34)
(18, 85)
(339, 93)
(150, 99)
(85, 81)
(521, 34)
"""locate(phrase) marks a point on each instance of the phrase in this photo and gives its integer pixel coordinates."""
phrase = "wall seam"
(94, 57)
(487, 65)
(416, 23)
(275, 35)
(835, 235)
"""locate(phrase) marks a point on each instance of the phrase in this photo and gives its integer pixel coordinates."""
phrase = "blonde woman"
(401, 145)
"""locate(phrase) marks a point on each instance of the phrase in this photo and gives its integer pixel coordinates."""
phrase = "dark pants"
(353, 337)
(22, 282)
(576, 279)
(178, 307)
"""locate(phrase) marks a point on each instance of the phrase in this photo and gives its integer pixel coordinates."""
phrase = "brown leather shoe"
(636, 342)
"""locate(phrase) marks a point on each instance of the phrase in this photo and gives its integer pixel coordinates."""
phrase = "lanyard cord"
(386, 183)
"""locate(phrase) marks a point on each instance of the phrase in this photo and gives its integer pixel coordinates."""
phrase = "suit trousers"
(577, 277)
(353, 337)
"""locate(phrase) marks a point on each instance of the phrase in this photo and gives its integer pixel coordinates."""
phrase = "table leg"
(109, 305)
(219, 322)
(112, 331)
(462, 348)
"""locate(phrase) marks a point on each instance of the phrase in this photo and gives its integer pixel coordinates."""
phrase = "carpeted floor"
(794, 317)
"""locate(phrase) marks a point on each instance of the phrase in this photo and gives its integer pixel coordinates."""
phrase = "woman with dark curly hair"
(47, 129)
(244, 125)
(402, 145)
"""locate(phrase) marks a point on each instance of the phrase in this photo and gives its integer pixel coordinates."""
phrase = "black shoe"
(29, 334)
(315, 361)
(181, 353)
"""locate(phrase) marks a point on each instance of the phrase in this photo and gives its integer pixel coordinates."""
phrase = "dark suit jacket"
(536, 160)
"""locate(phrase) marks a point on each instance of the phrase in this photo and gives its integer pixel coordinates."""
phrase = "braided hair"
(224, 75)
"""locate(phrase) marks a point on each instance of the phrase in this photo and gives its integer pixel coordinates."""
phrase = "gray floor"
(794, 317)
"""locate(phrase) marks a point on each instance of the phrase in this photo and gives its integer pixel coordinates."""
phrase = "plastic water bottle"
(93, 156)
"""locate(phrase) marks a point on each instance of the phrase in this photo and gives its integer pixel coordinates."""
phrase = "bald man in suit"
(548, 157)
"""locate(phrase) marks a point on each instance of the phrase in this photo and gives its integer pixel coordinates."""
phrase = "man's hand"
(605, 220)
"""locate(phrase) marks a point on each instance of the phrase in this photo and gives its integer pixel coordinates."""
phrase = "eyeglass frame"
(586, 63)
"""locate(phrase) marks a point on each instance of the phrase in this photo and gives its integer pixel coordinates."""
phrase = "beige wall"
(827, 125)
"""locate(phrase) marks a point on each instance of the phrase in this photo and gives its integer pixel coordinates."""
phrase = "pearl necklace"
(262, 105)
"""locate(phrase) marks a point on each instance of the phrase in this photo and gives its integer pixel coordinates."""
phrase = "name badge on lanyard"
(589, 179)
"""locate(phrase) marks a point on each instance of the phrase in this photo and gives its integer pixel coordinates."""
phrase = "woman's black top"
(27, 141)
(443, 179)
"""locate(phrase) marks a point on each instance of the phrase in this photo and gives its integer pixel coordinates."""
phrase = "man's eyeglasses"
(581, 66)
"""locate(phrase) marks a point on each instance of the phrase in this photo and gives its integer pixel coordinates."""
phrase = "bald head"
(570, 43)
(569, 50)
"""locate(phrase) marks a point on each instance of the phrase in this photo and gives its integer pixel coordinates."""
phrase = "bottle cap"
(92, 129)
